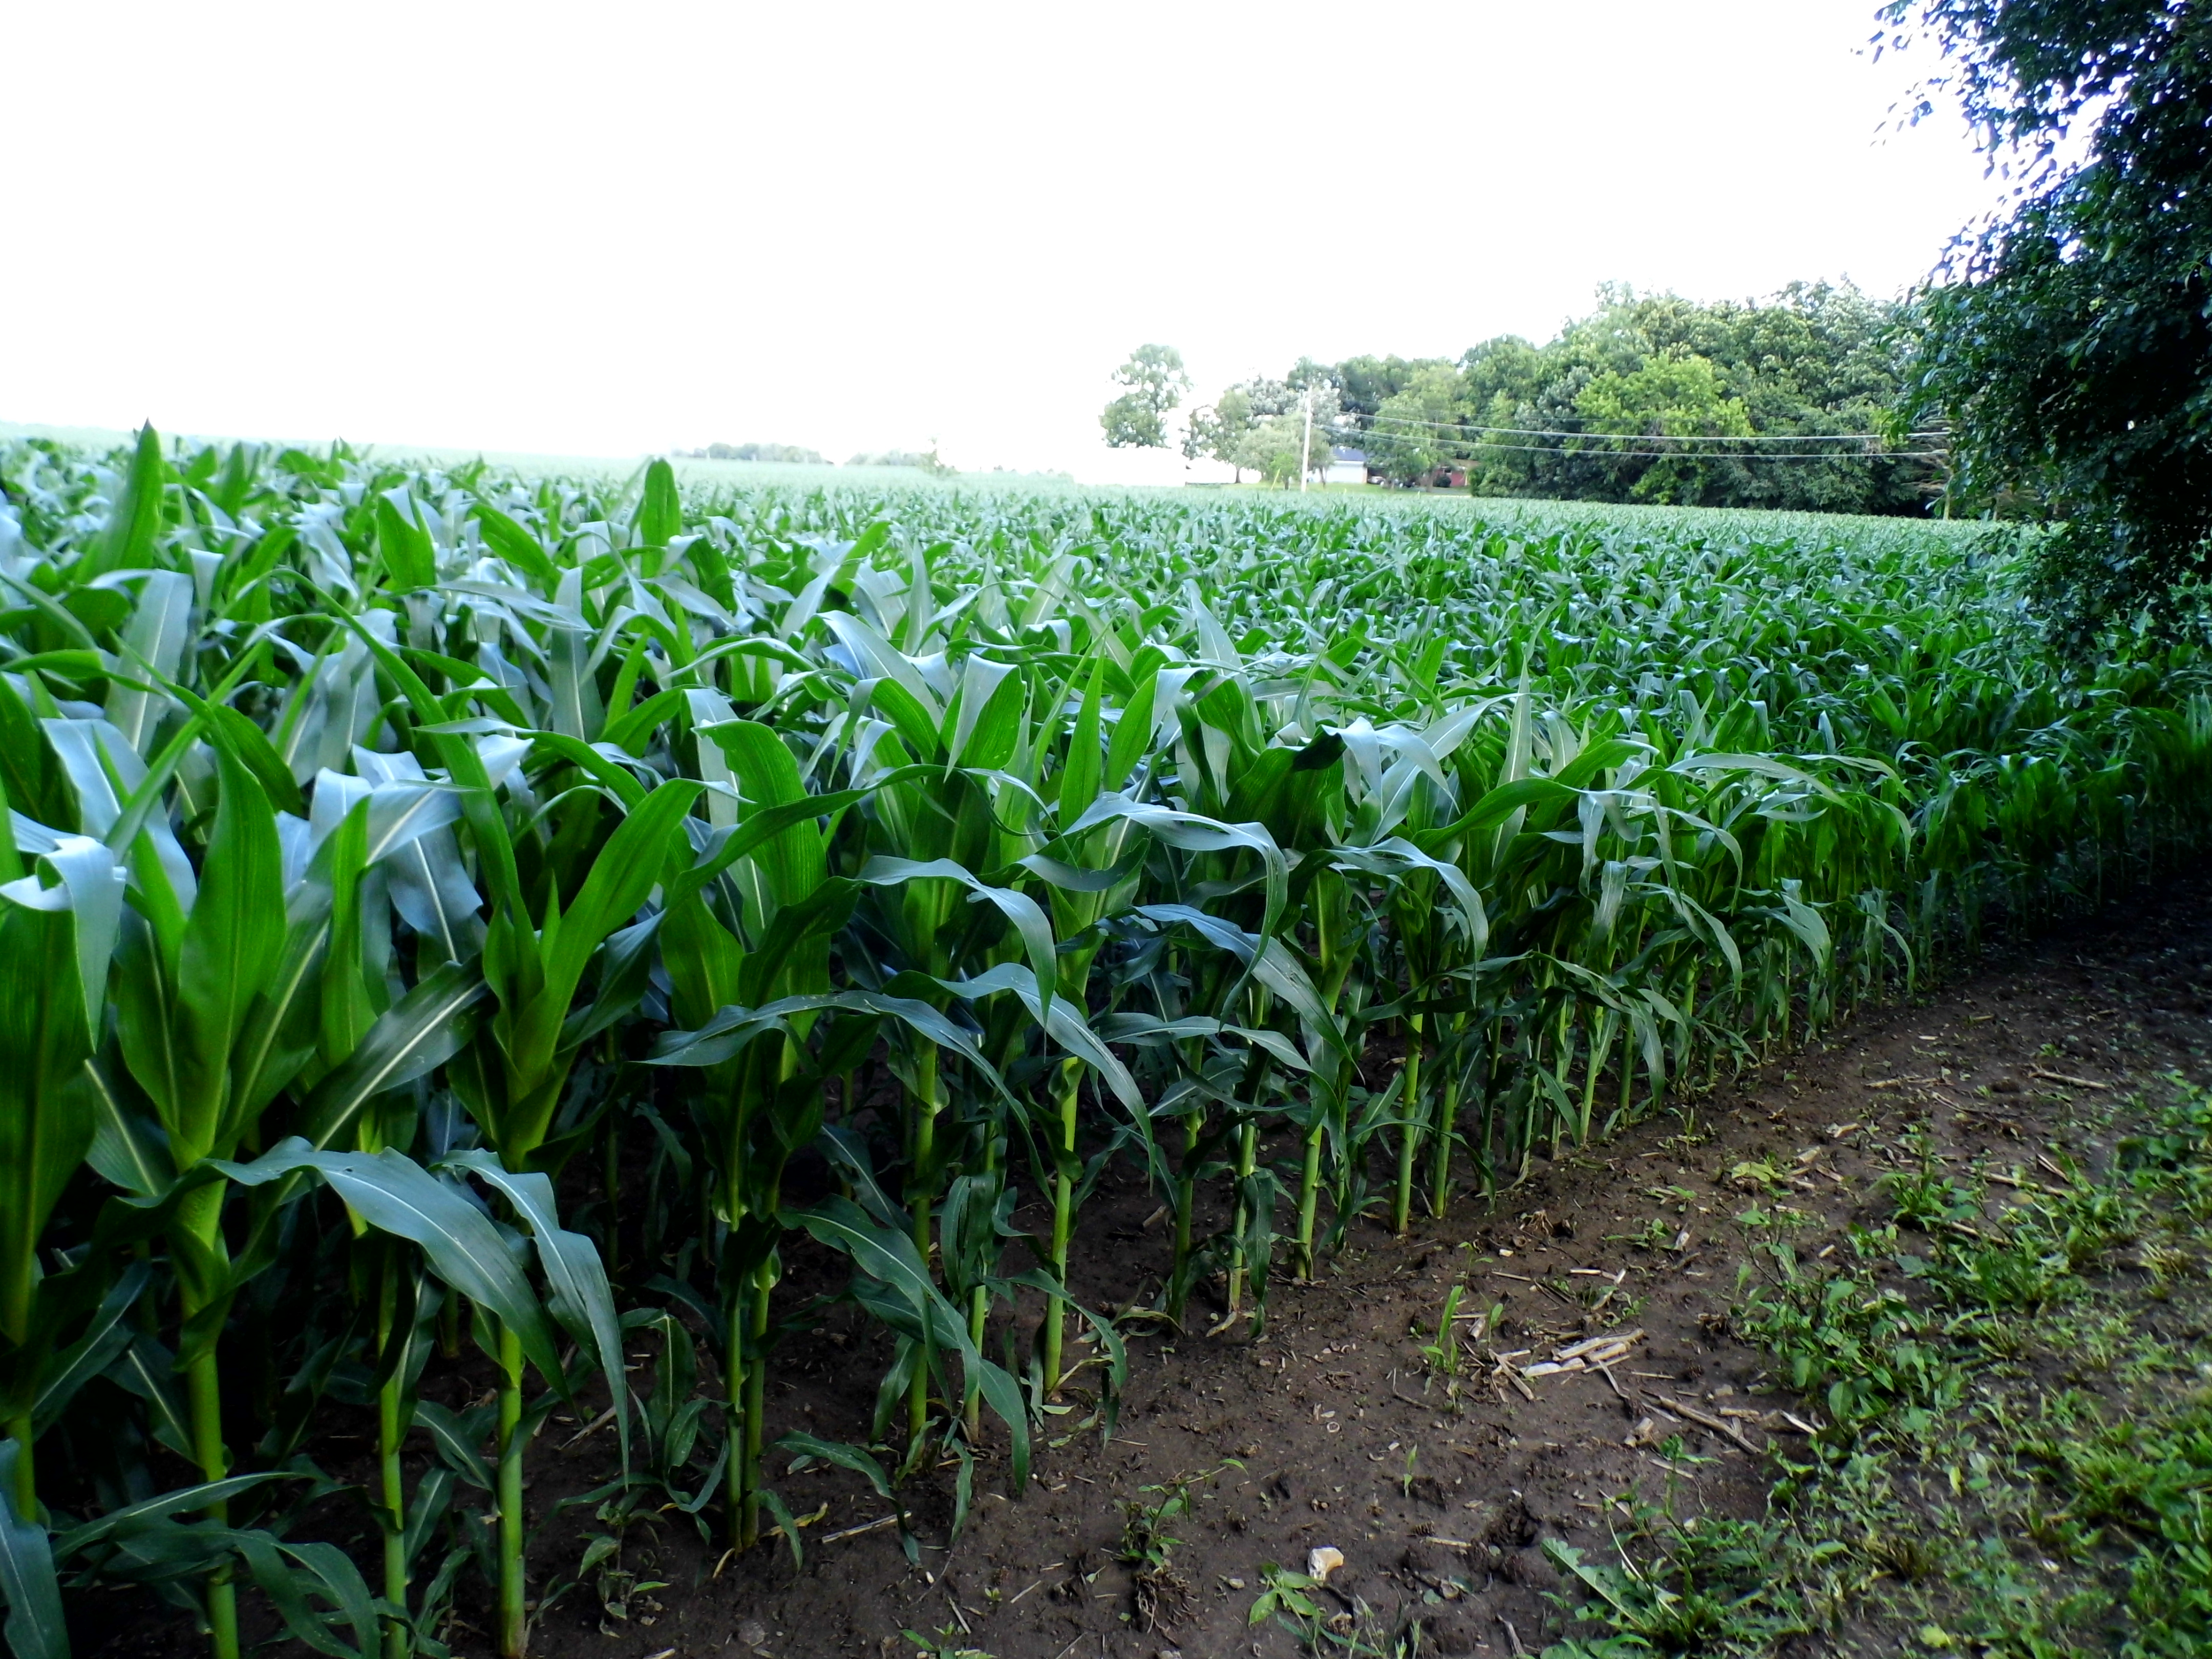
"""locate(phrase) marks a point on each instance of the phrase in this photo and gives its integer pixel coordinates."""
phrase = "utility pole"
(1305, 448)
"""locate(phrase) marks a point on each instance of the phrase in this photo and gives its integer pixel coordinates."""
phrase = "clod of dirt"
(1531, 1568)
(1430, 1559)
(1163, 1596)
(1511, 1527)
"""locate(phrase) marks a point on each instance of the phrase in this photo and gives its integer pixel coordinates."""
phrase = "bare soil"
(1344, 1436)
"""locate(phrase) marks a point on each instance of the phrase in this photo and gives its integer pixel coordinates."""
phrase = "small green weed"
(1293, 1600)
(1695, 1586)
(950, 1642)
(1147, 1547)
(1926, 1197)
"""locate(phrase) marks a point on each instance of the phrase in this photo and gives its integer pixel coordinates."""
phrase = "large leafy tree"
(1673, 394)
(2070, 343)
(1156, 381)
(1414, 430)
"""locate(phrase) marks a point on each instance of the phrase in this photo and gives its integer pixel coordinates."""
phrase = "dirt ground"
(1346, 1438)
(1437, 1491)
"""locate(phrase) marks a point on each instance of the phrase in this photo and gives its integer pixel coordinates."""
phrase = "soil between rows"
(1345, 1437)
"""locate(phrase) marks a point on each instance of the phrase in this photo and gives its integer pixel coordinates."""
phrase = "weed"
(1926, 1197)
(950, 1642)
(1353, 1631)
(1691, 1586)
(1654, 1235)
(1146, 1549)
(1443, 1354)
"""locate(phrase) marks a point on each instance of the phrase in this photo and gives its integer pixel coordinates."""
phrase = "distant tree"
(1416, 429)
(2070, 343)
(1217, 429)
(1272, 446)
(1364, 384)
(1673, 393)
(894, 458)
(1156, 381)
(789, 454)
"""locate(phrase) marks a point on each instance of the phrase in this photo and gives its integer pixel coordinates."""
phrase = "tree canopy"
(1646, 399)
(1156, 381)
(2069, 340)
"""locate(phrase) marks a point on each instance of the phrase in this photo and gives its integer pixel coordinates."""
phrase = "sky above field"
(610, 230)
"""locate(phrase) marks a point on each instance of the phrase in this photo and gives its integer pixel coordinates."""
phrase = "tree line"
(926, 460)
(1650, 397)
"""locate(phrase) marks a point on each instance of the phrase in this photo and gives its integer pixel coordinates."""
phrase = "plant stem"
(756, 1363)
(18, 1429)
(514, 1592)
(736, 1481)
(1248, 1158)
(1447, 1123)
(389, 1433)
(1309, 1191)
(925, 1157)
(1409, 1138)
(1063, 1219)
(1194, 1126)
(200, 1215)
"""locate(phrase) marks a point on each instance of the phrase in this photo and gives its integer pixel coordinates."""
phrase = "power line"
(1715, 437)
(1715, 454)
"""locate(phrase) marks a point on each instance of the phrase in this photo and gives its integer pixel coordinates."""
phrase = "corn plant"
(399, 853)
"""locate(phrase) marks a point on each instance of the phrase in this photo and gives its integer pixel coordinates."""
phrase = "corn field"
(400, 858)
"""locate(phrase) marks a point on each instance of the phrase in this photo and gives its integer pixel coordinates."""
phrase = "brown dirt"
(1325, 1411)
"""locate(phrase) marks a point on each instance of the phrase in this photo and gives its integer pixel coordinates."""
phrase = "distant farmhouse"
(1348, 466)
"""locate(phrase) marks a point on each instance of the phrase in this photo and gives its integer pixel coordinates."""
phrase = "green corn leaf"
(983, 729)
(768, 777)
(152, 646)
(147, 1368)
(319, 1569)
(1061, 1022)
(726, 1034)
(102, 1342)
(35, 1627)
(423, 1030)
(457, 1440)
(72, 1543)
(581, 1298)
(888, 1256)
(1028, 921)
(1079, 779)
(130, 539)
(409, 556)
(394, 1193)
(660, 510)
(511, 542)
(628, 868)
(231, 946)
(48, 1116)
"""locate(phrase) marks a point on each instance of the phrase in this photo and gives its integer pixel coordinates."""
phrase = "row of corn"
(403, 861)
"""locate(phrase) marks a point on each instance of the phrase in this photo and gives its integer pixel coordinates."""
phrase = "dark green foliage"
(2070, 345)
(1652, 398)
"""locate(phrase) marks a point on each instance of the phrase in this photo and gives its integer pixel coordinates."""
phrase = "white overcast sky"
(610, 229)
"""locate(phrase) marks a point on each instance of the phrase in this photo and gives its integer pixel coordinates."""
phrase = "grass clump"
(2015, 1455)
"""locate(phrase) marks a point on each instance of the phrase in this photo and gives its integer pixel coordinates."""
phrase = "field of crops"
(403, 860)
